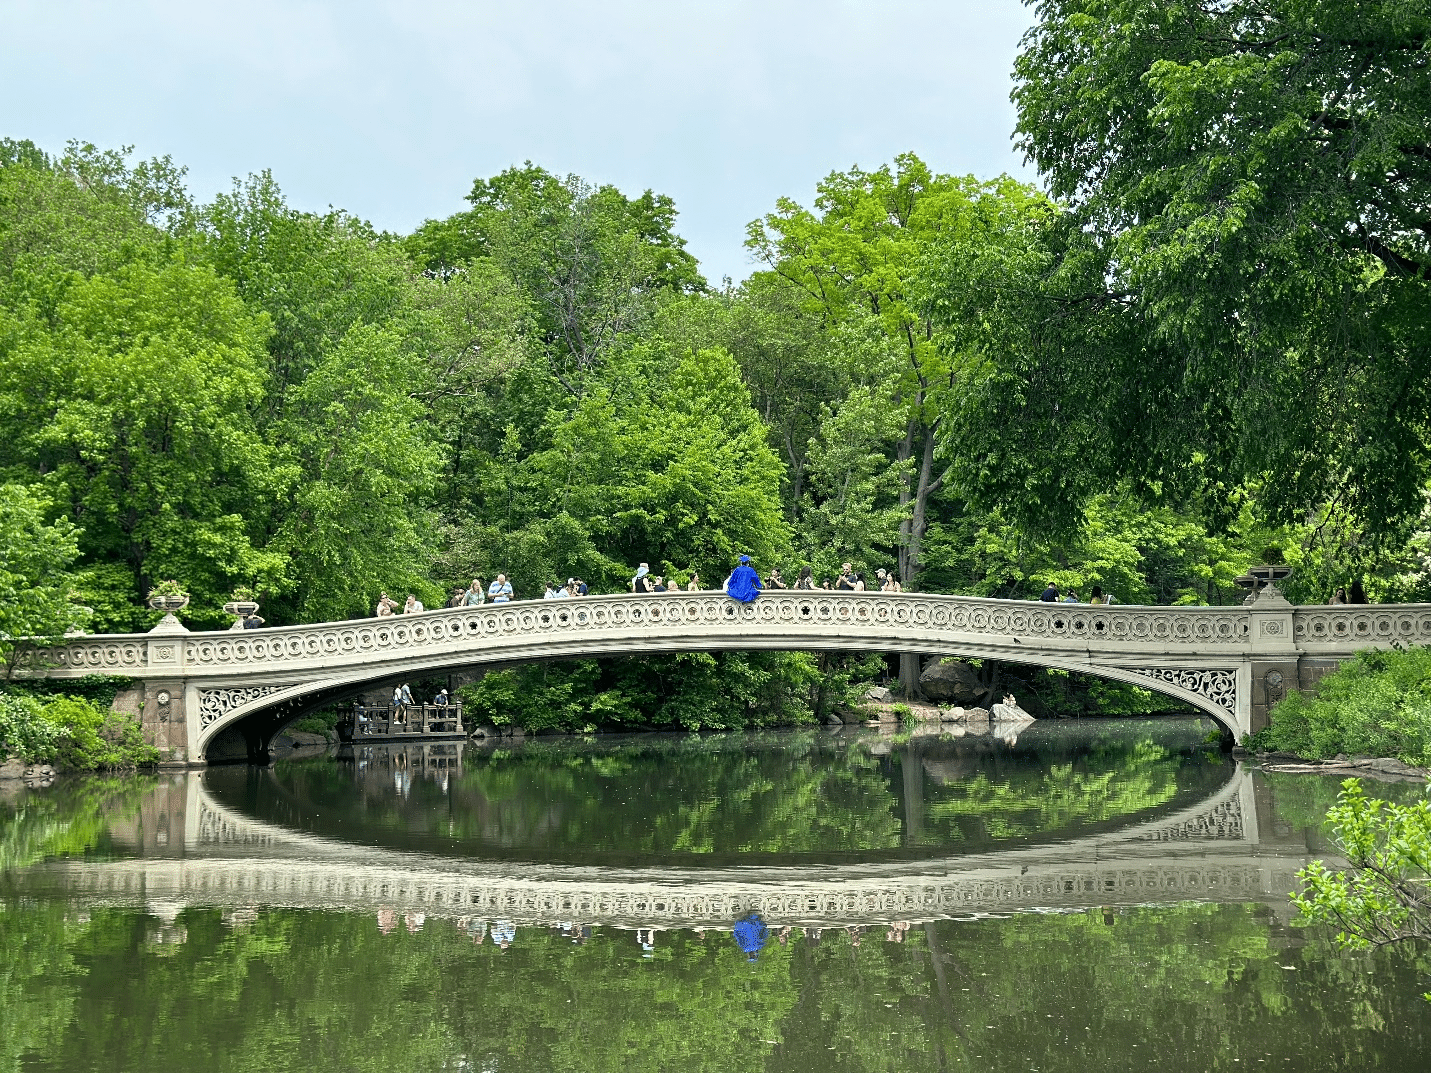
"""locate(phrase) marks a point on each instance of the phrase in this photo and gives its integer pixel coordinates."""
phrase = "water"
(1092, 895)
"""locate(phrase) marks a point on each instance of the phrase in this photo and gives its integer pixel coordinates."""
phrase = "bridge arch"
(244, 721)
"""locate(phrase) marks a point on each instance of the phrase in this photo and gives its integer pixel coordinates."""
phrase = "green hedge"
(71, 732)
(1378, 704)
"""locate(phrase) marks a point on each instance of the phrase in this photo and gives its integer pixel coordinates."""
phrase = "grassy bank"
(1378, 704)
(74, 730)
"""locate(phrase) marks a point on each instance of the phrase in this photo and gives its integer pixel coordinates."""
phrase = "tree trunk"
(909, 670)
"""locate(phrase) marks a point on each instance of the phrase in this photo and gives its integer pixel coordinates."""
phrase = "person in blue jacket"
(750, 934)
(743, 583)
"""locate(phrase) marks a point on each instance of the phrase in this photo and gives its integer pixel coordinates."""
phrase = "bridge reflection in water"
(195, 848)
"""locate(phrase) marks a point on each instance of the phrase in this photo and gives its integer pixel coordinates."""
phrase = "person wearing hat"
(441, 698)
(743, 583)
(642, 581)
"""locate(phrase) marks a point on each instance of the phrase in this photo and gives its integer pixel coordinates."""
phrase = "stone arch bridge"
(226, 694)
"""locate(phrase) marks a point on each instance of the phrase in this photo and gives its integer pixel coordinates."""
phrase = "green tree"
(589, 259)
(36, 582)
(1245, 256)
(1385, 897)
(135, 402)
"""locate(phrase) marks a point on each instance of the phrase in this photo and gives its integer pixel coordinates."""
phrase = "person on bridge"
(1050, 594)
(642, 581)
(806, 580)
(694, 585)
(500, 591)
(743, 583)
(413, 605)
(476, 595)
(846, 581)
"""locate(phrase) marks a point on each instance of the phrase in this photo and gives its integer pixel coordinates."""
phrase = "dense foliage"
(74, 733)
(1247, 194)
(1385, 895)
(1378, 704)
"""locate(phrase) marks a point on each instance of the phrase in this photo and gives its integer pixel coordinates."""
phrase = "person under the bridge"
(743, 583)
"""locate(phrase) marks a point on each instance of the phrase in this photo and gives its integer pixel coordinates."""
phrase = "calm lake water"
(1101, 894)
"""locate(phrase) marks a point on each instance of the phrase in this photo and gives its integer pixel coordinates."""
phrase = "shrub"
(1378, 704)
(72, 732)
(25, 733)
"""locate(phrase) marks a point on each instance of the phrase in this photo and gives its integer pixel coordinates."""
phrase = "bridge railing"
(804, 615)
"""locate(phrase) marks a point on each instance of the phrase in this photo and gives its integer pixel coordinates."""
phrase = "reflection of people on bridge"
(647, 938)
(475, 928)
(387, 920)
(751, 935)
(504, 933)
(743, 583)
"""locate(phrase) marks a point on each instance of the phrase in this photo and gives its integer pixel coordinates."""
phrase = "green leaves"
(1385, 897)
(1243, 285)
(136, 406)
(1378, 704)
(36, 583)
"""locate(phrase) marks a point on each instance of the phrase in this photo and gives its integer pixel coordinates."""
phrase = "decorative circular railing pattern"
(891, 615)
(1363, 623)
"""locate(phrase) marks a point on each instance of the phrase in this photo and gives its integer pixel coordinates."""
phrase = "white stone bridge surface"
(227, 694)
(1214, 849)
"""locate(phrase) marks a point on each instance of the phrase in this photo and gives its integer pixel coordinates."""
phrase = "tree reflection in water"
(1190, 986)
(731, 798)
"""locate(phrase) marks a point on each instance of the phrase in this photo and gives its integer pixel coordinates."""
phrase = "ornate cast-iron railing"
(911, 614)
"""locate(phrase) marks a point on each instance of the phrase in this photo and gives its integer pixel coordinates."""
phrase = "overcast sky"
(390, 109)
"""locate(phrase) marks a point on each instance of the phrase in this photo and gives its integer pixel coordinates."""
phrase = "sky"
(390, 109)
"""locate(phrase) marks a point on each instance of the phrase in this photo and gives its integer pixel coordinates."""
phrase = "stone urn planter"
(240, 609)
(1261, 578)
(169, 604)
(1270, 573)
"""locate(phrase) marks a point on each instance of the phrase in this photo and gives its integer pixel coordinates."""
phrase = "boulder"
(302, 738)
(951, 682)
(1011, 713)
(965, 716)
(879, 695)
(12, 769)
